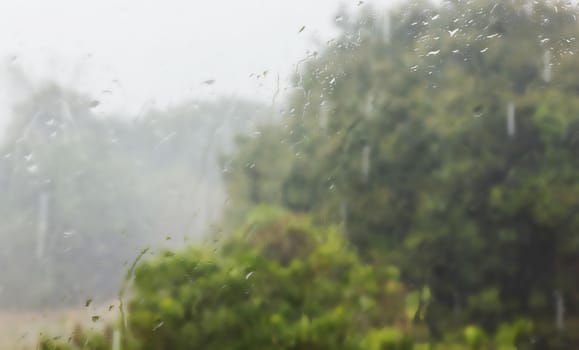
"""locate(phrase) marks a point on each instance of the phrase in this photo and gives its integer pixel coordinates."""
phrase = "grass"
(20, 330)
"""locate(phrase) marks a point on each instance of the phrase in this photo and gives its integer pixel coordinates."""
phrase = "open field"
(20, 330)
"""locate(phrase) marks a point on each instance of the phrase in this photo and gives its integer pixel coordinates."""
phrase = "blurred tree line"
(82, 194)
(441, 142)
(443, 138)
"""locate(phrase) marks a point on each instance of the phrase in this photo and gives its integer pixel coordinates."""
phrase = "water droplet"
(452, 33)
(478, 111)
(365, 164)
(433, 53)
(547, 72)
(249, 275)
(414, 68)
(484, 50)
(511, 122)
(33, 168)
(492, 36)
(68, 233)
(158, 325)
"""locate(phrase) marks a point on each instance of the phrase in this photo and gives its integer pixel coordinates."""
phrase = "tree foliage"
(429, 159)
(281, 283)
(403, 136)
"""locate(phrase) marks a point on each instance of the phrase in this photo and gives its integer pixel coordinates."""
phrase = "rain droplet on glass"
(511, 122)
(547, 71)
(158, 325)
(365, 166)
(478, 111)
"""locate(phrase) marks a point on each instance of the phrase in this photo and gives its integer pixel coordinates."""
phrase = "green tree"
(445, 145)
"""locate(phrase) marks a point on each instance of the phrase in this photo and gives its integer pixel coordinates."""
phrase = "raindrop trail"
(511, 122)
(128, 277)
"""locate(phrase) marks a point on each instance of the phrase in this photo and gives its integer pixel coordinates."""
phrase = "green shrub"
(280, 283)
(79, 340)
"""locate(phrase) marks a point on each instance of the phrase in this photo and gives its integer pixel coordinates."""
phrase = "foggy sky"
(135, 54)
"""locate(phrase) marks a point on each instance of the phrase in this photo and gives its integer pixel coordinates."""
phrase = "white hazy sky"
(131, 54)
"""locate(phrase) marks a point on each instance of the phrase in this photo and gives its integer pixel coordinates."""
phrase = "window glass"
(289, 174)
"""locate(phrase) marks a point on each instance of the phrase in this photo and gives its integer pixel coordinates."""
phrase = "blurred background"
(388, 174)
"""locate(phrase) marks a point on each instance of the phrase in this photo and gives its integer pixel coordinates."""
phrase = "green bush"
(280, 283)
(79, 340)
